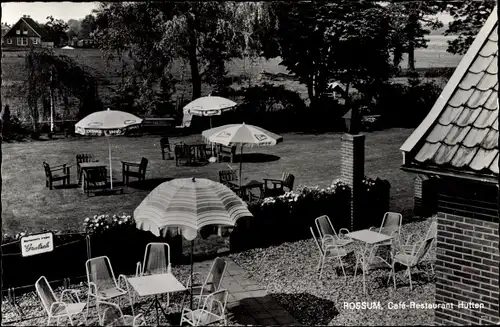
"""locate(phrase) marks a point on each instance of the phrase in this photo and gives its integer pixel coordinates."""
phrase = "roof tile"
(470, 80)
(456, 135)
(478, 98)
(485, 119)
(450, 115)
(493, 67)
(488, 82)
(460, 97)
(489, 49)
(445, 154)
(427, 151)
(468, 117)
(494, 165)
(492, 103)
(495, 124)
(475, 137)
(491, 140)
(479, 64)
(482, 159)
(438, 134)
(463, 156)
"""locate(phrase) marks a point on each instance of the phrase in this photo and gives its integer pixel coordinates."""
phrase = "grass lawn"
(314, 159)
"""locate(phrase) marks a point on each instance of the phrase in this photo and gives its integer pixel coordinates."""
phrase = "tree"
(75, 27)
(320, 42)
(469, 17)
(411, 22)
(49, 74)
(56, 30)
(154, 34)
(88, 26)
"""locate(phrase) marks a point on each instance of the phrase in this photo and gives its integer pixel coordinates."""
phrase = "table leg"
(157, 313)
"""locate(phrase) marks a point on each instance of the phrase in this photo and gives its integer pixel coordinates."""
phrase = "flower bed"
(288, 217)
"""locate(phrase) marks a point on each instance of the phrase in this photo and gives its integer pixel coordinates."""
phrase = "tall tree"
(74, 27)
(153, 34)
(56, 30)
(468, 18)
(88, 26)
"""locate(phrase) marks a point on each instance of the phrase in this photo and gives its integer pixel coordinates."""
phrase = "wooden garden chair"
(81, 158)
(95, 180)
(132, 169)
(230, 179)
(182, 154)
(165, 148)
(57, 307)
(274, 187)
(55, 174)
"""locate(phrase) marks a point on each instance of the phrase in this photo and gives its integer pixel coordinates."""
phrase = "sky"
(12, 11)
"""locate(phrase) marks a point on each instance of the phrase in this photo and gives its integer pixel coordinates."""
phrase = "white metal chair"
(391, 225)
(208, 313)
(156, 261)
(112, 315)
(212, 282)
(102, 283)
(410, 256)
(330, 249)
(328, 234)
(57, 307)
(431, 234)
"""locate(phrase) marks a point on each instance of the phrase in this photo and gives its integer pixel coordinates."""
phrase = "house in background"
(457, 146)
(25, 33)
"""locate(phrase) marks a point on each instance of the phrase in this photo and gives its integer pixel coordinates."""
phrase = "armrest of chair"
(57, 303)
(123, 278)
(408, 239)
(132, 164)
(138, 269)
(92, 285)
(69, 291)
(136, 318)
(343, 233)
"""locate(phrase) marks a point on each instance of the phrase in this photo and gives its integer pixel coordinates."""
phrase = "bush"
(407, 105)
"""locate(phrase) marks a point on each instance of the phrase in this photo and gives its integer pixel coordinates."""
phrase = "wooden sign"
(36, 244)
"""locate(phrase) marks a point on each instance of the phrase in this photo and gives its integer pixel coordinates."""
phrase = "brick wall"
(467, 258)
(352, 169)
(417, 194)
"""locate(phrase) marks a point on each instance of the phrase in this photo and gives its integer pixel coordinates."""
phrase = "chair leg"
(70, 320)
(409, 276)
(322, 265)
(57, 320)
(342, 266)
(48, 320)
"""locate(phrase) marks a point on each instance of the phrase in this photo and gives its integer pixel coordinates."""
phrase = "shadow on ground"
(148, 184)
(256, 157)
(306, 308)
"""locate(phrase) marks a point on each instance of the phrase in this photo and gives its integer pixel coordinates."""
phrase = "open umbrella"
(107, 123)
(189, 204)
(209, 106)
(243, 135)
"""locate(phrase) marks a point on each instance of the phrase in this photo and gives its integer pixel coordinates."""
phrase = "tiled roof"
(461, 132)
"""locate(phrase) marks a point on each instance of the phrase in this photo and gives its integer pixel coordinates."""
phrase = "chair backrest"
(324, 226)
(112, 315)
(164, 143)
(143, 165)
(228, 176)
(423, 249)
(46, 167)
(215, 303)
(45, 293)
(320, 248)
(156, 259)
(216, 274)
(391, 223)
(288, 180)
(432, 232)
(83, 157)
(100, 272)
(182, 150)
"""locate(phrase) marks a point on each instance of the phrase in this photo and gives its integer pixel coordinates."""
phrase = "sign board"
(36, 244)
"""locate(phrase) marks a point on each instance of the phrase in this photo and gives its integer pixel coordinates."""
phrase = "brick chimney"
(352, 169)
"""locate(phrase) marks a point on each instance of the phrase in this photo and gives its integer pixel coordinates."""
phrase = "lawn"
(313, 159)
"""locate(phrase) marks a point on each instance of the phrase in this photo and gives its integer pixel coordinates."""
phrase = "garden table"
(87, 165)
(369, 238)
(198, 151)
(156, 284)
(253, 184)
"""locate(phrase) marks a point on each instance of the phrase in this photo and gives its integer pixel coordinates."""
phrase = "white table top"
(369, 236)
(91, 164)
(156, 284)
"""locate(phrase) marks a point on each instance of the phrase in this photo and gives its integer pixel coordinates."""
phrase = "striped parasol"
(189, 204)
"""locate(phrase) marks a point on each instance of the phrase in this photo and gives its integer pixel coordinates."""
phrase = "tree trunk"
(412, 26)
(51, 101)
(310, 89)
(1, 159)
(193, 59)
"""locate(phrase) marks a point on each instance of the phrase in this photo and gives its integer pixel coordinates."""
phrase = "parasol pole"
(110, 165)
(191, 283)
(241, 161)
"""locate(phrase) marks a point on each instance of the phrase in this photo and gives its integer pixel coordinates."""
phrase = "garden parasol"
(189, 204)
(107, 123)
(241, 134)
(209, 106)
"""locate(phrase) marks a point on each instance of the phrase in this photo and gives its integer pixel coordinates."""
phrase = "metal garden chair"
(212, 311)
(57, 307)
(329, 249)
(112, 315)
(410, 256)
(102, 283)
(156, 261)
(328, 234)
(212, 282)
(431, 234)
